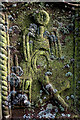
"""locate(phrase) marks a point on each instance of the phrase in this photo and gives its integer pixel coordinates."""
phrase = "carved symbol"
(42, 17)
(34, 60)
(42, 48)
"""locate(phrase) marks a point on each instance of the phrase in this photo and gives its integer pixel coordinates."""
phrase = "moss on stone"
(24, 20)
(42, 17)
(58, 78)
(24, 48)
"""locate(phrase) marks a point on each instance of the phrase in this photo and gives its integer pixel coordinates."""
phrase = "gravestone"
(36, 68)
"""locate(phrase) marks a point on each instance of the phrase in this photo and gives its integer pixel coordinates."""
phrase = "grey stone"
(49, 106)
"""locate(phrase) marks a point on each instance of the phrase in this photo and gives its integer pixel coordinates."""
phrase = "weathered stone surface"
(40, 55)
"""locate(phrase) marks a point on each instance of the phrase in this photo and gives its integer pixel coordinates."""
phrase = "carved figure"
(42, 48)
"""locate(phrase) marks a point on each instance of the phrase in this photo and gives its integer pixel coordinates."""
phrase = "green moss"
(3, 51)
(2, 62)
(24, 20)
(4, 88)
(28, 49)
(24, 48)
(32, 58)
(3, 67)
(4, 83)
(4, 93)
(42, 17)
(4, 98)
(3, 33)
(3, 45)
